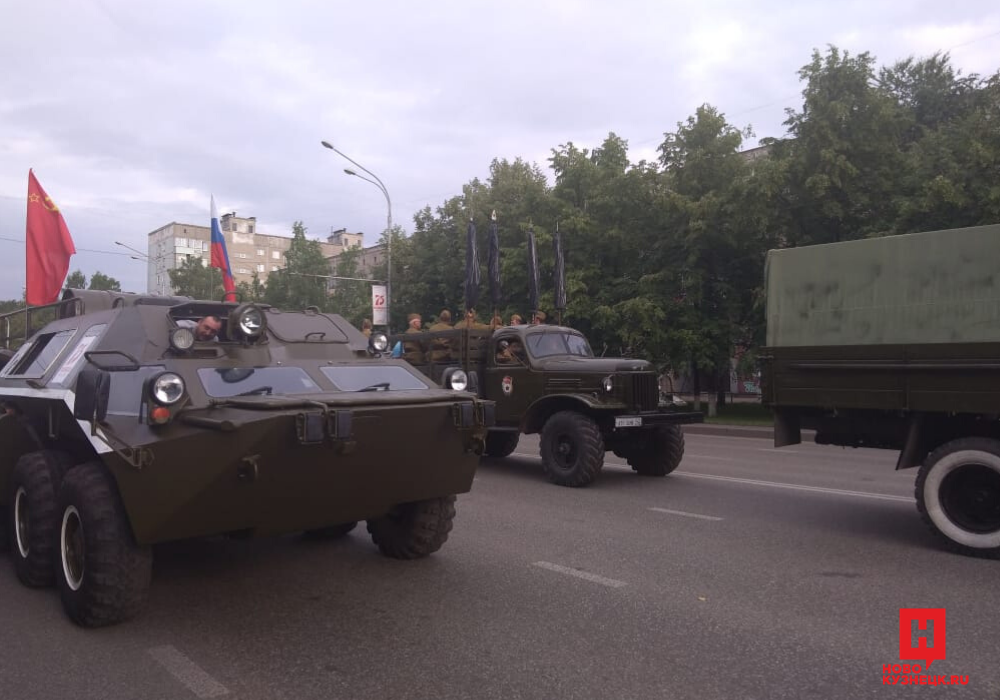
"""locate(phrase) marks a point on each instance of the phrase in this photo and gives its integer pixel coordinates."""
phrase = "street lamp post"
(388, 202)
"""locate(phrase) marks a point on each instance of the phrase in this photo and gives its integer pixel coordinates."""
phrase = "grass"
(740, 414)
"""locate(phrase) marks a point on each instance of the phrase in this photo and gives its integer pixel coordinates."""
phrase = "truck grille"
(645, 393)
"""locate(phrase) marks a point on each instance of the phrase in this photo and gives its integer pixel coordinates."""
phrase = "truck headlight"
(181, 339)
(458, 380)
(168, 388)
(609, 384)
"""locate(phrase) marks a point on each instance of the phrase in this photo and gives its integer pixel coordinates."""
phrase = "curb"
(745, 431)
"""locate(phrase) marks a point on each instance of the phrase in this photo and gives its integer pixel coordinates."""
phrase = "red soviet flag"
(49, 246)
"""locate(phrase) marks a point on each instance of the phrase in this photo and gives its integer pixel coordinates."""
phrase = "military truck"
(894, 343)
(121, 429)
(545, 379)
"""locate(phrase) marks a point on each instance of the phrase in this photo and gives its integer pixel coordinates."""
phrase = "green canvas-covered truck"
(894, 343)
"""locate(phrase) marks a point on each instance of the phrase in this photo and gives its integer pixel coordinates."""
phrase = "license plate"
(628, 421)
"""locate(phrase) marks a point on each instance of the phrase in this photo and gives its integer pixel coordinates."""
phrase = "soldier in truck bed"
(441, 347)
(412, 352)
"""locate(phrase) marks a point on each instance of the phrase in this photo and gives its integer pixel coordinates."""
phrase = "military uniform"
(413, 351)
(441, 347)
(475, 346)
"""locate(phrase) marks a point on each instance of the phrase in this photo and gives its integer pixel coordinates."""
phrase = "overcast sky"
(132, 116)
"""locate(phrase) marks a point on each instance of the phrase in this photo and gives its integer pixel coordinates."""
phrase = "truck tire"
(31, 514)
(103, 575)
(414, 530)
(661, 453)
(333, 532)
(958, 495)
(572, 449)
(500, 443)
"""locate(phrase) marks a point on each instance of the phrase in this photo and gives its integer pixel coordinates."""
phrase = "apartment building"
(249, 250)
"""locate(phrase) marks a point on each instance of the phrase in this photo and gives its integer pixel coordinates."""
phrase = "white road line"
(586, 576)
(799, 487)
(188, 672)
(686, 515)
(757, 482)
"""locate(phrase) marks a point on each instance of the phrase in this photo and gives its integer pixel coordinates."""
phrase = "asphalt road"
(749, 573)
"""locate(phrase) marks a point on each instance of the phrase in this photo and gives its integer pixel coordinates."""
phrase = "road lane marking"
(686, 515)
(585, 575)
(800, 487)
(188, 672)
(758, 482)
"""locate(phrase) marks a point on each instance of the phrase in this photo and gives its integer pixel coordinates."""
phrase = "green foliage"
(195, 279)
(303, 280)
(349, 298)
(76, 280)
(101, 281)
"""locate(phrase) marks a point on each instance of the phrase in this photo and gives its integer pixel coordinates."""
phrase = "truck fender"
(539, 411)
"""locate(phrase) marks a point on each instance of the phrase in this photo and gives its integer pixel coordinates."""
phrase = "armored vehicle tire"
(414, 530)
(103, 575)
(500, 443)
(330, 533)
(660, 453)
(958, 495)
(31, 518)
(572, 449)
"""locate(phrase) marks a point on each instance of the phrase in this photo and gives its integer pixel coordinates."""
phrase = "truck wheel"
(330, 533)
(572, 449)
(661, 453)
(103, 575)
(414, 530)
(500, 443)
(31, 514)
(958, 495)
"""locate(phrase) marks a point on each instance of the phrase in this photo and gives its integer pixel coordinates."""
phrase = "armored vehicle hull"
(123, 428)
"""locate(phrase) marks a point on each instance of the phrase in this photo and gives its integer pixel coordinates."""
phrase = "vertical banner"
(472, 272)
(49, 247)
(493, 262)
(380, 316)
(560, 272)
(532, 270)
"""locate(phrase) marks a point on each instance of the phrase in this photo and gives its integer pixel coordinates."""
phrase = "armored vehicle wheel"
(414, 530)
(660, 453)
(500, 443)
(958, 495)
(103, 576)
(330, 533)
(31, 514)
(572, 449)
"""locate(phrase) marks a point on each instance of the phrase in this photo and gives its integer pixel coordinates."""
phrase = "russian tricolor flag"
(220, 258)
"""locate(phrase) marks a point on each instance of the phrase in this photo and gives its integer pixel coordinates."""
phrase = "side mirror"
(93, 390)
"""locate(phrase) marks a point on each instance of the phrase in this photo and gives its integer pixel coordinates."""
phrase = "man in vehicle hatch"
(206, 328)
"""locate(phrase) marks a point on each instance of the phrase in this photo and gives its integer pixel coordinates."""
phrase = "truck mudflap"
(640, 420)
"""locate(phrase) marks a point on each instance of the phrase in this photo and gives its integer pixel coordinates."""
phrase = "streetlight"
(382, 188)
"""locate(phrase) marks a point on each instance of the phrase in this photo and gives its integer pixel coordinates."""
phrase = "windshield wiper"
(381, 386)
(254, 392)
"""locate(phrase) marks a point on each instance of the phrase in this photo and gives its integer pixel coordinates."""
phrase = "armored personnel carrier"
(123, 425)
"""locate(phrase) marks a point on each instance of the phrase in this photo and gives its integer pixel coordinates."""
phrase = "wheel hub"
(21, 527)
(72, 548)
(565, 452)
(970, 496)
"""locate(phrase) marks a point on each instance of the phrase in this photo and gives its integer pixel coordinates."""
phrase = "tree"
(101, 281)
(76, 280)
(195, 279)
(303, 280)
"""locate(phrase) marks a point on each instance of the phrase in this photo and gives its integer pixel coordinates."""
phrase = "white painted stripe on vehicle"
(585, 575)
(799, 487)
(188, 672)
(685, 514)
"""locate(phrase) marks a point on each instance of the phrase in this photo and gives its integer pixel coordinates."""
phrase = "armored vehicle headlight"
(168, 388)
(379, 342)
(250, 321)
(181, 339)
(458, 380)
(609, 383)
